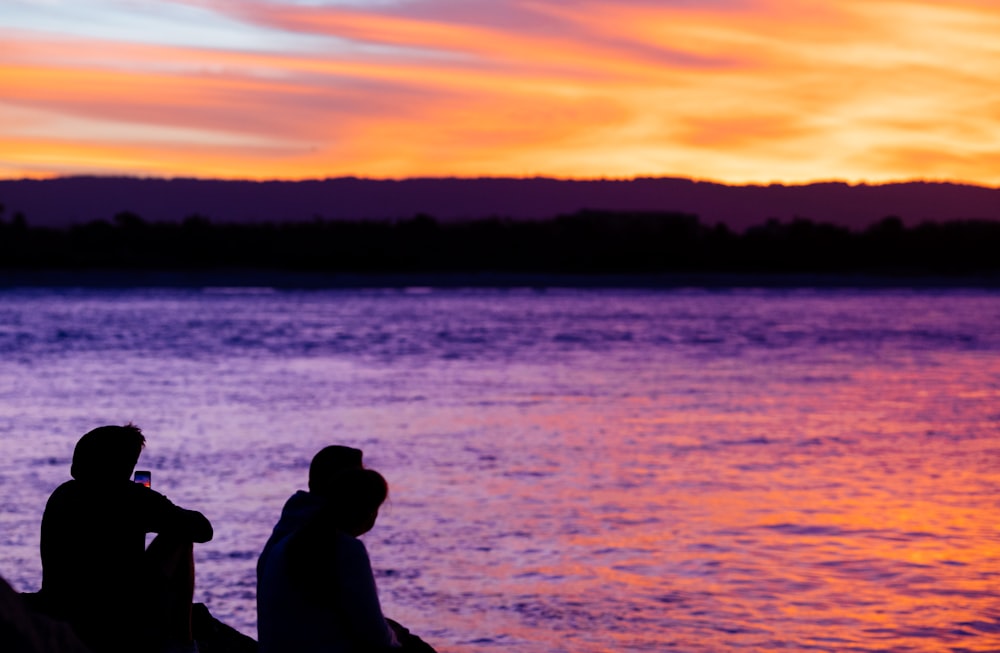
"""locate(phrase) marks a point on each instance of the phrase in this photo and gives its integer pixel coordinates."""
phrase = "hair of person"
(355, 495)
(107, 453)
(329, 463)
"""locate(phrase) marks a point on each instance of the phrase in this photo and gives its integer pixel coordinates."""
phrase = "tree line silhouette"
(592, 242)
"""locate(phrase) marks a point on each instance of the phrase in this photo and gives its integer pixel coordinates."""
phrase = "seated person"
(96, 571)
(326, 465)
(315, 587)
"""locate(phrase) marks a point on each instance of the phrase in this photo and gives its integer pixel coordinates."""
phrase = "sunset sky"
(726, 90)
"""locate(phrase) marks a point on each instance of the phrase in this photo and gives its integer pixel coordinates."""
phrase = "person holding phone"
(97, 573)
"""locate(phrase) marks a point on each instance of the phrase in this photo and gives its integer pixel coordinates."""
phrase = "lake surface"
(571, 471)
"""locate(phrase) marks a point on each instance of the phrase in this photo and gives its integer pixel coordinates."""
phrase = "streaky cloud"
(738, 91)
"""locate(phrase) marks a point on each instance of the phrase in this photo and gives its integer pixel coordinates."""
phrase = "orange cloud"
(734, 91)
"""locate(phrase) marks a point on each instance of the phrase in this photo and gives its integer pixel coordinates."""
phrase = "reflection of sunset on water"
(580, 471)
(844, 504)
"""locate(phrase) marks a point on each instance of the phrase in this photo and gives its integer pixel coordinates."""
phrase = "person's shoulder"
(350, 546)
(297, 511)
(301, 505)
(351, 563)
(71, 490)
(63, 494)
(66, 487)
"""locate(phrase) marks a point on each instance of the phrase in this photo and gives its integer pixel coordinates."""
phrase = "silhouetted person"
(96, 571)
(326, 465)
(315, 587)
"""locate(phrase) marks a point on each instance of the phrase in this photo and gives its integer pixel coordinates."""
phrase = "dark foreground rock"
(25, 630)
(213, 636)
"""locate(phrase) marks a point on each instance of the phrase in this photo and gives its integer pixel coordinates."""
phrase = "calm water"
(578, 471)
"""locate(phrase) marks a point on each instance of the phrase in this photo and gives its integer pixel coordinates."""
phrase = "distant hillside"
(77, 200)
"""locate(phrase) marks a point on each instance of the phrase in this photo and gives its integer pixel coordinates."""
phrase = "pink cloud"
(739, 91)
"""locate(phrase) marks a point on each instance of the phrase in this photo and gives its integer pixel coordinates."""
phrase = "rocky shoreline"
(25, 630)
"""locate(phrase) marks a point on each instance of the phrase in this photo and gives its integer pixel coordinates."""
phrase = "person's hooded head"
(328, 465)
(107, 454)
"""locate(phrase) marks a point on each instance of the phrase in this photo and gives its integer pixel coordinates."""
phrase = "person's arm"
(193, 525)
(163, 517)
(357, 599)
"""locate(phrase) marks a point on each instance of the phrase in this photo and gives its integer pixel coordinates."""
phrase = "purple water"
(578, 471)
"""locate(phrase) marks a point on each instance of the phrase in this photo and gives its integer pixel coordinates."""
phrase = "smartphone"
(144, 476)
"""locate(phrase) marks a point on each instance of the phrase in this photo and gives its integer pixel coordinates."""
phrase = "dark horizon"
(67, 201)
(580, 244)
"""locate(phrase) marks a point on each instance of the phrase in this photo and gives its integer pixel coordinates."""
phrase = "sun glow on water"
(590, 471)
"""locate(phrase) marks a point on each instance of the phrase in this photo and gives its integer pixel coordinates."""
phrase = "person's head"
(328, 464)
(356, 496)
(107, 453)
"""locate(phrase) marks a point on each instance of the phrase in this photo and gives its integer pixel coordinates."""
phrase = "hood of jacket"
(299, 508)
